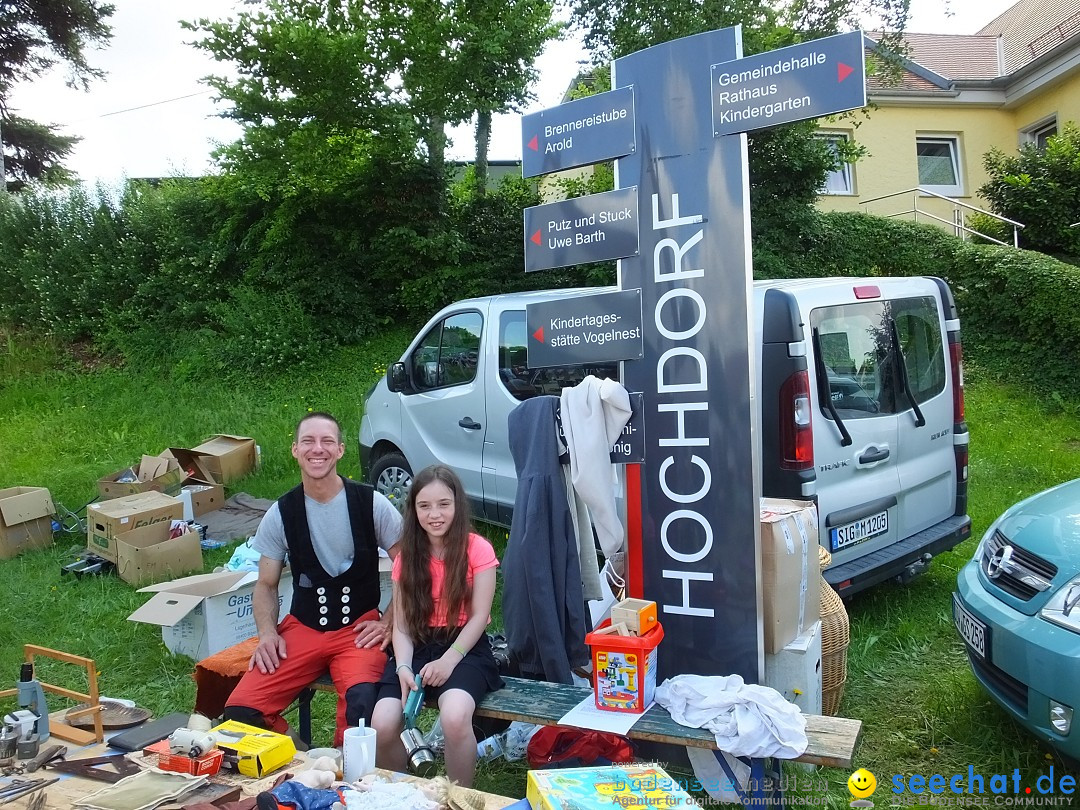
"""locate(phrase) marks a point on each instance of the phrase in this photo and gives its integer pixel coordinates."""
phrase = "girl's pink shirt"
(481, 556)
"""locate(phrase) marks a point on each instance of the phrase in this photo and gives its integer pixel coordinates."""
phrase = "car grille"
(1004, 686)
(1028, 573)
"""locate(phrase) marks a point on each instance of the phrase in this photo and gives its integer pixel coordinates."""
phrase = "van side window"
(448, 353)
(856, 346)
(523, 382)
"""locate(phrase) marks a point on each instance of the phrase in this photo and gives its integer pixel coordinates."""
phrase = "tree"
(34, 37)
(395, 70)
(1041, 189)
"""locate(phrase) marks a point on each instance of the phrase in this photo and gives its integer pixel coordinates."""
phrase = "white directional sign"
(808, 80)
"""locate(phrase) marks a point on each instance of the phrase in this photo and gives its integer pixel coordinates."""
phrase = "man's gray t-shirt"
(331, 534)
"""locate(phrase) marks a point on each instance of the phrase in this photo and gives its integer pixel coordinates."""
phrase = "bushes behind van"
(1017, 310)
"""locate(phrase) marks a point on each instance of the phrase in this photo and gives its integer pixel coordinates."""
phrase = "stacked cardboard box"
(133, 532)
(790, 573)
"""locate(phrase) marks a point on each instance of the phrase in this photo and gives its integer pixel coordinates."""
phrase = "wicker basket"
(835, 636)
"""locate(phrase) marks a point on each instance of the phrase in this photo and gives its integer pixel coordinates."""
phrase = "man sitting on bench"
(332, 529)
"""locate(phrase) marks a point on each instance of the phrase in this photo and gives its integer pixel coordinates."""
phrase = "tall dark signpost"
(694, 522)
(692, 503)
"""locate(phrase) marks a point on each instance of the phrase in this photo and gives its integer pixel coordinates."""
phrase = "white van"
(861, 389)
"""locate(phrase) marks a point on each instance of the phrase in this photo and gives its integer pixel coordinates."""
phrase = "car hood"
(1048, 524)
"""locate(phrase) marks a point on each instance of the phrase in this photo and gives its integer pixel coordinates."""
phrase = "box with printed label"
(613, 786)
(150, 554)
(108, 519)
(152, 473)
(257, 751)
(227, 457)
(25, 519)
(790, 573)
(204, 614)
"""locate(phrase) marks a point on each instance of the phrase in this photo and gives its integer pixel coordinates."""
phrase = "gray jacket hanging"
(543, 603)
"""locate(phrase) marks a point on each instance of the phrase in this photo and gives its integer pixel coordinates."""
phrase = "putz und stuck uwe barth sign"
(808, 80)
(585, 229)
(578, 133)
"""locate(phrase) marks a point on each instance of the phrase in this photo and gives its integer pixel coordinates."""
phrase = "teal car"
(1017, 607)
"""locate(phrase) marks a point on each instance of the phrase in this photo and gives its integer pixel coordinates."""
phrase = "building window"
(939, 165)
(1040, 132)
(839, 180)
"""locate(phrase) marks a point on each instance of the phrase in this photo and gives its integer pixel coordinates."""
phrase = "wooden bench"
(831, 740)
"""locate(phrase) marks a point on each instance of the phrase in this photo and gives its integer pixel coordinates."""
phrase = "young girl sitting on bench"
(444, 582)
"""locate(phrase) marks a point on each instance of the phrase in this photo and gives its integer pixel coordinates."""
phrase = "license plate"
(974, 632)
(855, 532)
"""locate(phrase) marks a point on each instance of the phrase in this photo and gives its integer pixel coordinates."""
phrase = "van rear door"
(855, 426)
(925, 455)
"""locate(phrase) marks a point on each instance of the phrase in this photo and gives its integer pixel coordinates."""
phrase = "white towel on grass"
(747, 720)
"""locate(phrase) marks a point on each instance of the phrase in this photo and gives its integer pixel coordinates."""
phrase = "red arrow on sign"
(535, 238)
(843, 71)
(539, 334)
(533, 144)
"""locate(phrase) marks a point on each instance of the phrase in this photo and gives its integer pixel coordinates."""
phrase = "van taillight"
(796, 428)
(956, 358)
(961, 464)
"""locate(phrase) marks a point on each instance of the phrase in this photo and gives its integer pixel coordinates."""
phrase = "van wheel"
(392, 476)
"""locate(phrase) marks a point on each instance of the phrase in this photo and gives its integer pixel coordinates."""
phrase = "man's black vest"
(322, 601)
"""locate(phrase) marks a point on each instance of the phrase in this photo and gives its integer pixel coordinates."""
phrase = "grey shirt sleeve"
(269, 538)
(387, 520)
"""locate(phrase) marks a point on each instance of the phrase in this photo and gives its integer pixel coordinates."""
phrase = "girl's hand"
(436, 673)
(407, 681)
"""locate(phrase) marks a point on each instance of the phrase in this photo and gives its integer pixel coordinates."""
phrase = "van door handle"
(874, 454)
(469, 424)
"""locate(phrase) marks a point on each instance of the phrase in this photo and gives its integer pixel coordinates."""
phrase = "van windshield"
(523, 382)
(856, 349)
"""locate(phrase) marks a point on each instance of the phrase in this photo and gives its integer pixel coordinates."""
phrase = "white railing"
(958, 223)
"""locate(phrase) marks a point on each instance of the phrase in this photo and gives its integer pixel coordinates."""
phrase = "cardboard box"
(257, 750)
(204, 614)
(105, 521)
(605, 788)
(227, 457)
(795, 671)
(790, 573)
(204, 497)
(147, 554)
(155, 474)
(25, 520)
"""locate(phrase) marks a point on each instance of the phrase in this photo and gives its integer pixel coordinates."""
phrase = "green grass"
(66, 422)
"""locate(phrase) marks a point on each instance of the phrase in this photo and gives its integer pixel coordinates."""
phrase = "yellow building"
(1016, 81)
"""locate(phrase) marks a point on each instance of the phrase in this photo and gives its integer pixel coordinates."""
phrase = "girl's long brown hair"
(414, 597)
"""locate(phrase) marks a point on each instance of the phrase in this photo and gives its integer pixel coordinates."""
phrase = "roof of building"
(1032, 27)
(1017, 37)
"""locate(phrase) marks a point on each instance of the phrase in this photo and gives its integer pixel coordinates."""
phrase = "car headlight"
(1063, 609)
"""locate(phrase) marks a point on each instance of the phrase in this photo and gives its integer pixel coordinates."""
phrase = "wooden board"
(831, 741)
